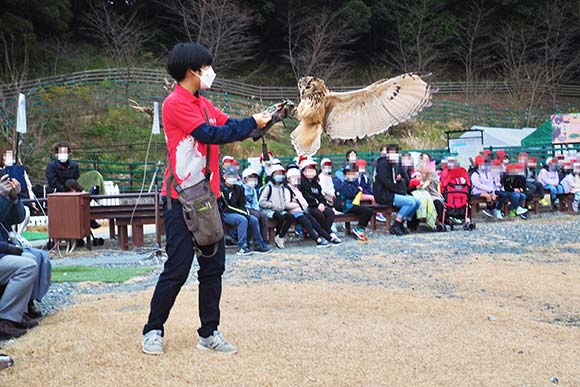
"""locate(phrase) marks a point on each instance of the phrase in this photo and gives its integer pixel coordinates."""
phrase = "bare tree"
(521, 65)
(473, 43)
(122, 36)
(417, 38)
(558, 34)
(317, 42)
(222, 26)
(14, 67)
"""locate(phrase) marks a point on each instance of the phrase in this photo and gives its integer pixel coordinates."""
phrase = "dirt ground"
(475, 319)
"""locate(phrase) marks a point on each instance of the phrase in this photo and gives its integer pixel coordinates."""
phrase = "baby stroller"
(456, 208)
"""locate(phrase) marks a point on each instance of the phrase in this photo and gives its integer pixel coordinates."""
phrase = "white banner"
(21, 114)
(155, 129)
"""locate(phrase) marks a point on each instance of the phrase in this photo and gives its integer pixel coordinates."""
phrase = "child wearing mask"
(482, 185)
(502, 196)
(298, 207)
(514, 183)
(351, 157)
(572, 182)
(549, 178)
(236, 213)
(390, 188)
(272, 202)
(325, 180)
(533, 186)
(318, 208)
(347, 190)
(250, 182)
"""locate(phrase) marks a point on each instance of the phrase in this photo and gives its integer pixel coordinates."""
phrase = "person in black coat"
(318, 207)
(61, 169)
(390, 189)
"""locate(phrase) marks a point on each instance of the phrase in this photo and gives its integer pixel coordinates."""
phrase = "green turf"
(34, 235)
(96, 274)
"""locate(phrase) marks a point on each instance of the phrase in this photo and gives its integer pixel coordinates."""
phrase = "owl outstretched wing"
(374, 109)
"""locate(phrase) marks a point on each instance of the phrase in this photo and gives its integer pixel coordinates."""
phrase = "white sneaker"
(216, 342)
(279, 242)
(497, 214)
(152, 343)
(521, 211)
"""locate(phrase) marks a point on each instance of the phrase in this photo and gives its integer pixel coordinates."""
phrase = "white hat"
(306, 162)
(292, 172)
(228, 159)
(326, 161)
(275, 168)
(249, 171)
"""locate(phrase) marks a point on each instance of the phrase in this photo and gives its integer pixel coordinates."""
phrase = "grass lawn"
(96, 274)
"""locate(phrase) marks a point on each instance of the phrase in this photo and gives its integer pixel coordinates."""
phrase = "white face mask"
(207, 77)
(505, 161)
(393, 157)
(252, 183)
(231, 180)
(8, 159)
(361, 171)
(294, 180)
(62, 157)
(327, 170)
(352, 159)
(351, 177)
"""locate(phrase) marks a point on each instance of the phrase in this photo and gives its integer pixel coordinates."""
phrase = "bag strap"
(171, 180)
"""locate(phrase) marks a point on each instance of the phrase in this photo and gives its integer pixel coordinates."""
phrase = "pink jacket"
(295, 201)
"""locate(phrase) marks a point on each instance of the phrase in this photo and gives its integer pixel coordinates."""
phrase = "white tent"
(501, 137)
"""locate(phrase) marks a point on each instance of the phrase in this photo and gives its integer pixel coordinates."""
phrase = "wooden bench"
(566, 201)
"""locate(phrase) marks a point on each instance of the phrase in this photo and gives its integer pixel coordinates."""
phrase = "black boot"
(396, 228)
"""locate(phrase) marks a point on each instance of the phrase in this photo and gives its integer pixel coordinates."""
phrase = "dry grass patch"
(315, 334)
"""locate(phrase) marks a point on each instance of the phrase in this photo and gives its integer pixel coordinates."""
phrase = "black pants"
(324, 218)
(283, 223)
(532, 189)
(263, 220)
(439, 208)
(364, 214)
(313, 228)
(176, 270)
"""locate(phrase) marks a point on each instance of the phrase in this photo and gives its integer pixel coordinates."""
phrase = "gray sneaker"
(152, 343)
(216, 342)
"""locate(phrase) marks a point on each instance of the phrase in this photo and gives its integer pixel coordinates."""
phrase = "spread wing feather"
(374, 109)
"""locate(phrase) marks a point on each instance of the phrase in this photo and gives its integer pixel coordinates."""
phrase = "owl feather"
(356, 114)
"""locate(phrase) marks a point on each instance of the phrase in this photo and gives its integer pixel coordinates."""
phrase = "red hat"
(518, 166)
(479, 160)
(486, 152)
(228, 159)
(551, 160)
(361, 163)
(305, 161)
(235, 163)
(522, 154)
(496, 162)
(500, 153)
(533, 159)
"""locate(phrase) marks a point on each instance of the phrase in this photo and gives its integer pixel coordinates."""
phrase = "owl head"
(309, 86)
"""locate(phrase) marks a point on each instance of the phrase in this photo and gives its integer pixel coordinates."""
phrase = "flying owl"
(356, 114)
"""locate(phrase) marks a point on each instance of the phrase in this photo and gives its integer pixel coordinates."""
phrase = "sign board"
(565, 128)
(465, 147)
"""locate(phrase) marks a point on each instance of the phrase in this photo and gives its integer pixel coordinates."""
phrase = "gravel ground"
(412, 261)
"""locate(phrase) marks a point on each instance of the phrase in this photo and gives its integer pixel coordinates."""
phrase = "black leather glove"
(279, 112)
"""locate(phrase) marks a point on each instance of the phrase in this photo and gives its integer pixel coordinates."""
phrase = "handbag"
(200, 210)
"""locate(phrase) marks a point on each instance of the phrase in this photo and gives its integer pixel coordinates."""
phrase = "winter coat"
(386, 185)
(58, 173)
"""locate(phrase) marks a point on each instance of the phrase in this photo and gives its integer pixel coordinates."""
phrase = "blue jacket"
(251, 197)
(17, 172)
(346, 191)
(366, 183)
